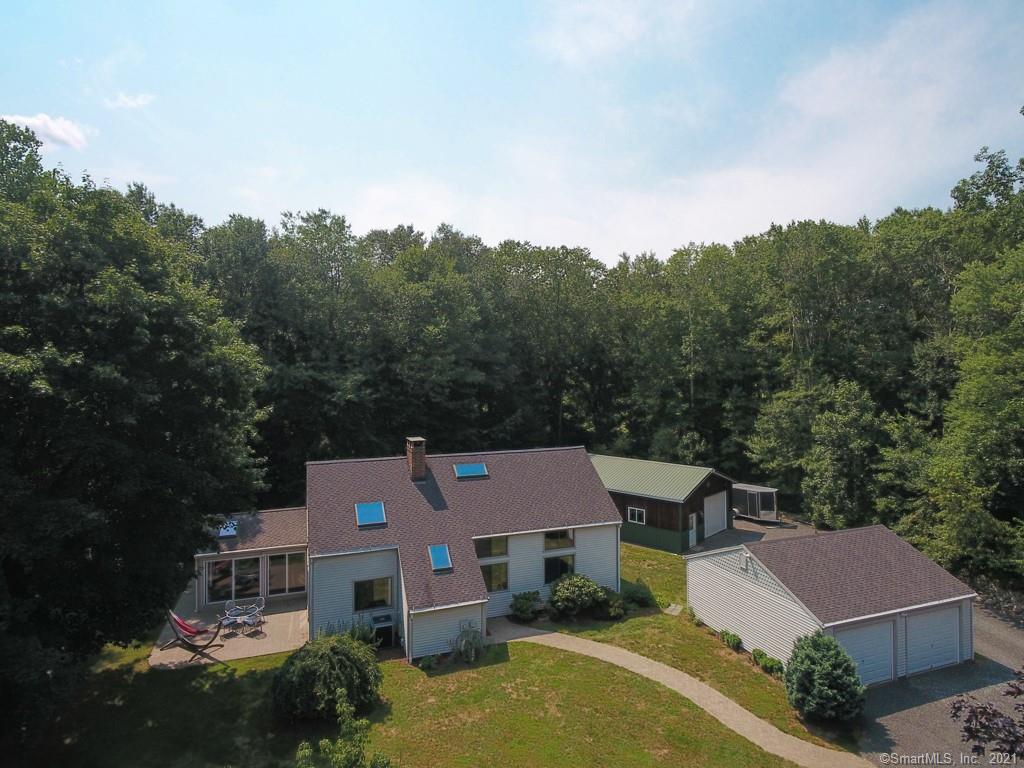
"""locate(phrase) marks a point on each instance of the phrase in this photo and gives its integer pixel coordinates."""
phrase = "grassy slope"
(534, 706)
(524, 705)
(675, 641)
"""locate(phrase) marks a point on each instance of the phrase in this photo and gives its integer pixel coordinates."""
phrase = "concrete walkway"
(725, 710)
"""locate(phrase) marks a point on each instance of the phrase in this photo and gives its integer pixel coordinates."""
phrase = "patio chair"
(191, 638)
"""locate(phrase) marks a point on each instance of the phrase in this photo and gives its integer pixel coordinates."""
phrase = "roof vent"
(745, 562)
(228, 530)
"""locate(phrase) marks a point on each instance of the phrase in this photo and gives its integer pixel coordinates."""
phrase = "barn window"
(636, 515)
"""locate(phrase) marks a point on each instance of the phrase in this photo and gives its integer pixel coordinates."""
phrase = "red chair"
(188, 636)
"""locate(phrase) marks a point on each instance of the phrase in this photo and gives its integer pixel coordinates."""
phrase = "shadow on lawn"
(492, 655)
(203, 715)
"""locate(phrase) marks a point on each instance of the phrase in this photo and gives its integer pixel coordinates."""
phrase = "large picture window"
(247, 577)
(558, 539)
(218, 581)
(495, 546)
(495, 576)
(286, 573)
(556, 567)
(373, 593)
(636, 515)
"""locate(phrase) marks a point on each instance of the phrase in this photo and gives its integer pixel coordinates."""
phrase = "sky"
(624, 127)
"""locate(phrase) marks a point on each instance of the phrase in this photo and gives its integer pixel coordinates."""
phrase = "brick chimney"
(416, 456)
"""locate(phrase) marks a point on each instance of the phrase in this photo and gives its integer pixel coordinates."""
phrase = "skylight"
(467, 471)
(440, 559)
(229, 529)
(370, 513)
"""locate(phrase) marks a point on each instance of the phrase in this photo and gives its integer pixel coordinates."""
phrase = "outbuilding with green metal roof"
(666, 506)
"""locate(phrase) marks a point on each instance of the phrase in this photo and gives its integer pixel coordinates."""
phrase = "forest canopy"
(158, 373)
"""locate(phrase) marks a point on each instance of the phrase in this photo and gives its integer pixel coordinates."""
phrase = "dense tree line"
(158, 372)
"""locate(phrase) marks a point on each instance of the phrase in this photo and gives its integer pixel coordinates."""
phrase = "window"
(556, 567)
(636, 515)
(558, 539)
(370, 513)
(496, 546)
(247, 577)
(469, 471)
(495, 576)
(218, 581)
(767, 502)
(286, 573)
(440, 558)
(374, 593)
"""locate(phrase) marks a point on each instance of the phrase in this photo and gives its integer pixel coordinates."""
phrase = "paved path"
(725, 710)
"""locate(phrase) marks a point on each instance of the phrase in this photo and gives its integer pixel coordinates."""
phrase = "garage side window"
(636, 515)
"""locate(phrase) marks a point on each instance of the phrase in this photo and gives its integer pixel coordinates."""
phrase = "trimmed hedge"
(731, 640)
(638, 594)
(307, 685)
(525, 605)
(769, 664)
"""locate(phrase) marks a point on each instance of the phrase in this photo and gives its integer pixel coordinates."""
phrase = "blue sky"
(620, 126)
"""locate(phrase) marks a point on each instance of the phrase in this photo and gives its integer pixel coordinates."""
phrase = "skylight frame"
(374, 518)
(229, 530)
(440, 557)
(476, 470)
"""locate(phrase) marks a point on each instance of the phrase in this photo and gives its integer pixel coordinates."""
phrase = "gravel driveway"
(911, 716)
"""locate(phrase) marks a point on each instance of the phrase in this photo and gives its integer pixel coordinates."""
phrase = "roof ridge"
(271, 509)
(653, 461)
(443, 455)
(817, 533)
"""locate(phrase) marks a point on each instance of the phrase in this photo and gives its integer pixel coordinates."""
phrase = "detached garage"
(895, 611)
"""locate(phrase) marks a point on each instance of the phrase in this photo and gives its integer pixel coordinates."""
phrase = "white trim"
(900, 610)
(545, 530)
(359, 551)
(697, 555)
(443, 607)
(268, 550)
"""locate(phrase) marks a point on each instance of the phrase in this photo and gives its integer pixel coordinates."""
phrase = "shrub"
(469, 645)
(773, 666)
(731, 640)
(525, 604)
(692, 616)
(428, 662)
(638, 594)
(612, 607)
(573, 594)
(306, 686)
(822, 681)
(364, 632)
(348, 750)
(759, 656)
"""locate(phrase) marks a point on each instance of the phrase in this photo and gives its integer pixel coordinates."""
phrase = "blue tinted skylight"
(465, 471)
(229, 529)
(370, 513)
(440, 560)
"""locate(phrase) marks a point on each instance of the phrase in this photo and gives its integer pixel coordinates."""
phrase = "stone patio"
(285, 629)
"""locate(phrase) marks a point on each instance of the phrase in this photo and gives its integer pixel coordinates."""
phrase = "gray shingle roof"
(267, 528)
(525, 490)
(657, 479)
(843, 575)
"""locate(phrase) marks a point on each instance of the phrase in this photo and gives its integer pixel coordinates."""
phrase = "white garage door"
(871, 648)
(714, 514)
(933, 639)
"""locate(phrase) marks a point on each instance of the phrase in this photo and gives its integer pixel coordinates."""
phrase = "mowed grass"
(529, 705)
(522, 705)
(676, 641)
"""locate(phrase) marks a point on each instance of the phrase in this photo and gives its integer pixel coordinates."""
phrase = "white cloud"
(863, 129)
(584, 32)
(52, 131)
(124, 101)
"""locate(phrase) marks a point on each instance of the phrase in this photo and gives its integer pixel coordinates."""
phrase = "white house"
(895, 612)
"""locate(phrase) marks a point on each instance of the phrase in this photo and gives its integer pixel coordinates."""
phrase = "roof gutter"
(944, 601)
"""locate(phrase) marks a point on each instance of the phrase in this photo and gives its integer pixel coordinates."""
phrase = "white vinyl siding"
(435, 632)
(933, 638)
(872, 647)
(597, 556)
(750, 603)
(331, 596)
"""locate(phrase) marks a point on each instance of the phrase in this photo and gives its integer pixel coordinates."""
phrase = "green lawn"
(523, 705)
(676, 641)
(529, 705)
